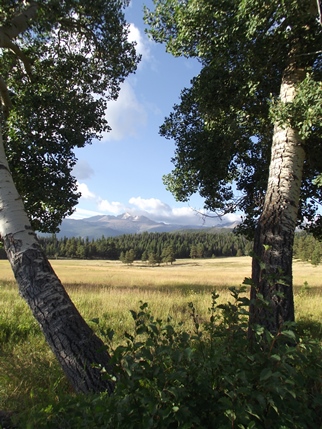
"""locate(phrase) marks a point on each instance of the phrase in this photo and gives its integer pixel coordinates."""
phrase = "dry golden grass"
(206, 272)
(109, 288)
(217, 272)
(223, 271)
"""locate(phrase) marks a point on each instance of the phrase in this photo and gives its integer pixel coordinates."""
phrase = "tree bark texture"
(273, 244)
(72, 341)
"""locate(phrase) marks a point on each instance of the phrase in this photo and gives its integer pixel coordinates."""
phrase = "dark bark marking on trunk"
(72, 341)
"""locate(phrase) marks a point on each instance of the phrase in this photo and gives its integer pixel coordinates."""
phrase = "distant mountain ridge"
(111, 226)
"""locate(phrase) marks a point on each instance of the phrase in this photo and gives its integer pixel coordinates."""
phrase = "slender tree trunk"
(72, 341)
(273, 245)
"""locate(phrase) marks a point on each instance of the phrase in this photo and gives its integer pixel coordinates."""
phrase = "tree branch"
(5, 97)
(15, 48)
(319, 11)
(18, 25)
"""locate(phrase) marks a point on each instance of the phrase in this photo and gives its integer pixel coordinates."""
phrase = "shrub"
(209, 378)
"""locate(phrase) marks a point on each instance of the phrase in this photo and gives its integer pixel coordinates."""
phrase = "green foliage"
(223, 124)
(154, 259)
(307, 248)
(167, 246)
(304, 289)
(305, 112)
(69, 60)
(168, 254)
(208, 378)
(127, 257)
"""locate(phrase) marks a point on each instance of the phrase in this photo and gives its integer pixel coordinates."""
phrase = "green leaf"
(289, 334)
(275, 357)
(265, 374)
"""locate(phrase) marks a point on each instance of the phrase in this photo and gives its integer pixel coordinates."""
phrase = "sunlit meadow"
(107, 290)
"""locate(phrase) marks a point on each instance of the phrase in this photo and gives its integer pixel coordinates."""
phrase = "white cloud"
(83, 213)
(83, 170)
(153, 208)
(111, 207)
(150, 204)
(126, 115)
(156, 210)
(143, 43)
(86, 193)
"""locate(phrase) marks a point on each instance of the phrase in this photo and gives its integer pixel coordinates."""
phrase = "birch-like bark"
(72, 341)
(273, 246)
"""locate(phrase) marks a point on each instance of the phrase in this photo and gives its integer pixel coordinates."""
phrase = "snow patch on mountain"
(111, 226)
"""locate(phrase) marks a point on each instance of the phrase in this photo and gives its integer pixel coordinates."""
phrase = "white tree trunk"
(273, 247)
(70, 338)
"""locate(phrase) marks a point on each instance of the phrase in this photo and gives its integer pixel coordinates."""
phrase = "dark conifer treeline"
(185, 245)
(307, 248)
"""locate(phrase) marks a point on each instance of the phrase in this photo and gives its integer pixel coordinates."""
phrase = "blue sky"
(123, 172)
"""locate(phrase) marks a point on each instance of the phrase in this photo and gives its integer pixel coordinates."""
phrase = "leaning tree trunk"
(273, 244)
(74, 344)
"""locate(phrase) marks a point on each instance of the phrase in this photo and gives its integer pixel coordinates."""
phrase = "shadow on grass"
(8, 284)
(309, 328)
(184, 289)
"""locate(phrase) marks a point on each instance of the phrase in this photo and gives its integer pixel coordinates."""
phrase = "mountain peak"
(125, 216)
(111, 226)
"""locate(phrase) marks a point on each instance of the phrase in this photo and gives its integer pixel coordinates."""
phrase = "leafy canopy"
(66, 60)
(223, 125)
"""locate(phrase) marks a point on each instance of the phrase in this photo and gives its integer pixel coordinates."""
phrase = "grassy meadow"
(107, 290)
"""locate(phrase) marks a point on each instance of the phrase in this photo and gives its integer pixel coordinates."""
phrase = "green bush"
(210, 378)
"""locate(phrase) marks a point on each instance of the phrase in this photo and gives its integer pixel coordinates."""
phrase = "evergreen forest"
(166, 247)
(183, 245)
